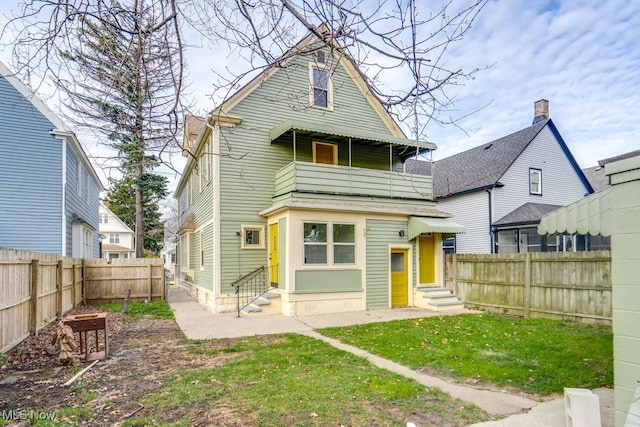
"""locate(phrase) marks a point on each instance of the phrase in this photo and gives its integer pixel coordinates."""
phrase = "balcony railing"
(334, 179)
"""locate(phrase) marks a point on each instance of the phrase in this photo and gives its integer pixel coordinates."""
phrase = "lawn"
(535, 355)
(296, 380)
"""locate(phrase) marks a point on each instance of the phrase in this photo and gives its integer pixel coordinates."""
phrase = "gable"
(284, 95)
(483, 166)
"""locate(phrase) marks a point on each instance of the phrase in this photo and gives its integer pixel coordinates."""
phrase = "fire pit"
(85, 323)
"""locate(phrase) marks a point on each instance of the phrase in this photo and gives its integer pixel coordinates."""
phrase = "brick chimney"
(541, 111)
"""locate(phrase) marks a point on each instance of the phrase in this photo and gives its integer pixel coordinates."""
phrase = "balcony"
(333, 179)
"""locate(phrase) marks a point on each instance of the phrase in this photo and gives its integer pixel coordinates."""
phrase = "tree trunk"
(139, 223)
(125, 304)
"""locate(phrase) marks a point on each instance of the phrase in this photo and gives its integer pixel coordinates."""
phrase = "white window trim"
(330, 244)
(260, 229)
(333, 146)
(312, 104)
(532, 172)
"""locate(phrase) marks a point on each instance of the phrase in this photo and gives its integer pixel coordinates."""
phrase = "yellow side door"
(399, 277)
(274, 260)
(427, 259)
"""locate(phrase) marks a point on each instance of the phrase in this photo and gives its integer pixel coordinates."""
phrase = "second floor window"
(325, 153)
(535, 181)
(114, 238)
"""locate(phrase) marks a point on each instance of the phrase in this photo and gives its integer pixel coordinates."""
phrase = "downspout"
(490, 199)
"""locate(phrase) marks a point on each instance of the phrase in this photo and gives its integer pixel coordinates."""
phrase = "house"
(499, 190)
(116, 238)
(49, 190)
(300, 173)
(615, 211)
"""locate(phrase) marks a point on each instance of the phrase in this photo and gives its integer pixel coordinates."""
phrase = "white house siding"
(472, 211)
(560, 183)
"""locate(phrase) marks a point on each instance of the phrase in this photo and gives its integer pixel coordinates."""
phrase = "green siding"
(328, 281)
(249, 161)
(380, 234)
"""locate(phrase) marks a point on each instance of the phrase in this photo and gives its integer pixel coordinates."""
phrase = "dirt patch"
(141, 355)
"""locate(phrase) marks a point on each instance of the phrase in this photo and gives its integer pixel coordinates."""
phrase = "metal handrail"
(251, 286)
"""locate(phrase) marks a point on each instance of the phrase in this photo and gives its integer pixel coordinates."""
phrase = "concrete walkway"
(198, 322)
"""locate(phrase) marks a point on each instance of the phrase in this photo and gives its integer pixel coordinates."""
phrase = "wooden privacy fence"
(36, 288)
(571, 285)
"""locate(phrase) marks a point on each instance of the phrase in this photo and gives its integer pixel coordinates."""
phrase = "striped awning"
(590, 215)
(327, 129)
(419, 225)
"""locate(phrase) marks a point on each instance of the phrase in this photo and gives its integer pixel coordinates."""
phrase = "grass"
(535, 355)
(296, 380)
(156, 309)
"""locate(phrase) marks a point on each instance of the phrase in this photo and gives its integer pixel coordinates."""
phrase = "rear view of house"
(300, 174)
(48, 188)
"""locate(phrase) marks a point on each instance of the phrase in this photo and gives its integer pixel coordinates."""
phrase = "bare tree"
(119, 70)
(400, 46)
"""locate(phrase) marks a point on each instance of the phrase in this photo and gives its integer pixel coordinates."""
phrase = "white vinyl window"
(535, 181)
(252, 237)
(329, 248)
(321, 87)
(114, 238)
(104, 218)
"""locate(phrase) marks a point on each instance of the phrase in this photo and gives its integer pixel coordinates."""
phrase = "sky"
(583, 56)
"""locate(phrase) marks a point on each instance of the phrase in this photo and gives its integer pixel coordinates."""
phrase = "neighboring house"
(300, 172)
(48, 188)
(499, 190)
(615, 211)
(118, 240)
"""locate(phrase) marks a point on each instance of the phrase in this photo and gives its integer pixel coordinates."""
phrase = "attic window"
(535, 181)
(321, 56)
(320, 87)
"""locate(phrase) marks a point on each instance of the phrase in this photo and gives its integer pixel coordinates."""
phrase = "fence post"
(73, 283)
(35, 290)
(527, 285)
(164, 284)
(454, 267)
(84, 282)
(150, 283)
(59, 289)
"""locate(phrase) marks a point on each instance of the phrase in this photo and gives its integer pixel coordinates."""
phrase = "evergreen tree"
(128, 90)
(122, 199)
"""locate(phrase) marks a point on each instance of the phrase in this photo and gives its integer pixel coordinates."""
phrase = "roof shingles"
(482, 166)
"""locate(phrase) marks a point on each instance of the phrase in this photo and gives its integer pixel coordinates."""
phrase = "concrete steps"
(267, 303)
(437, 298)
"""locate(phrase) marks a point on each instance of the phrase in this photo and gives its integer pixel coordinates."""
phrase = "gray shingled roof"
(482, 166)
(596, 177)
(529, 213)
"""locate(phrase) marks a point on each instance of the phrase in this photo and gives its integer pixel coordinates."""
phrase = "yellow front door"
(273, 254)
(399, 277)
(427, 259)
